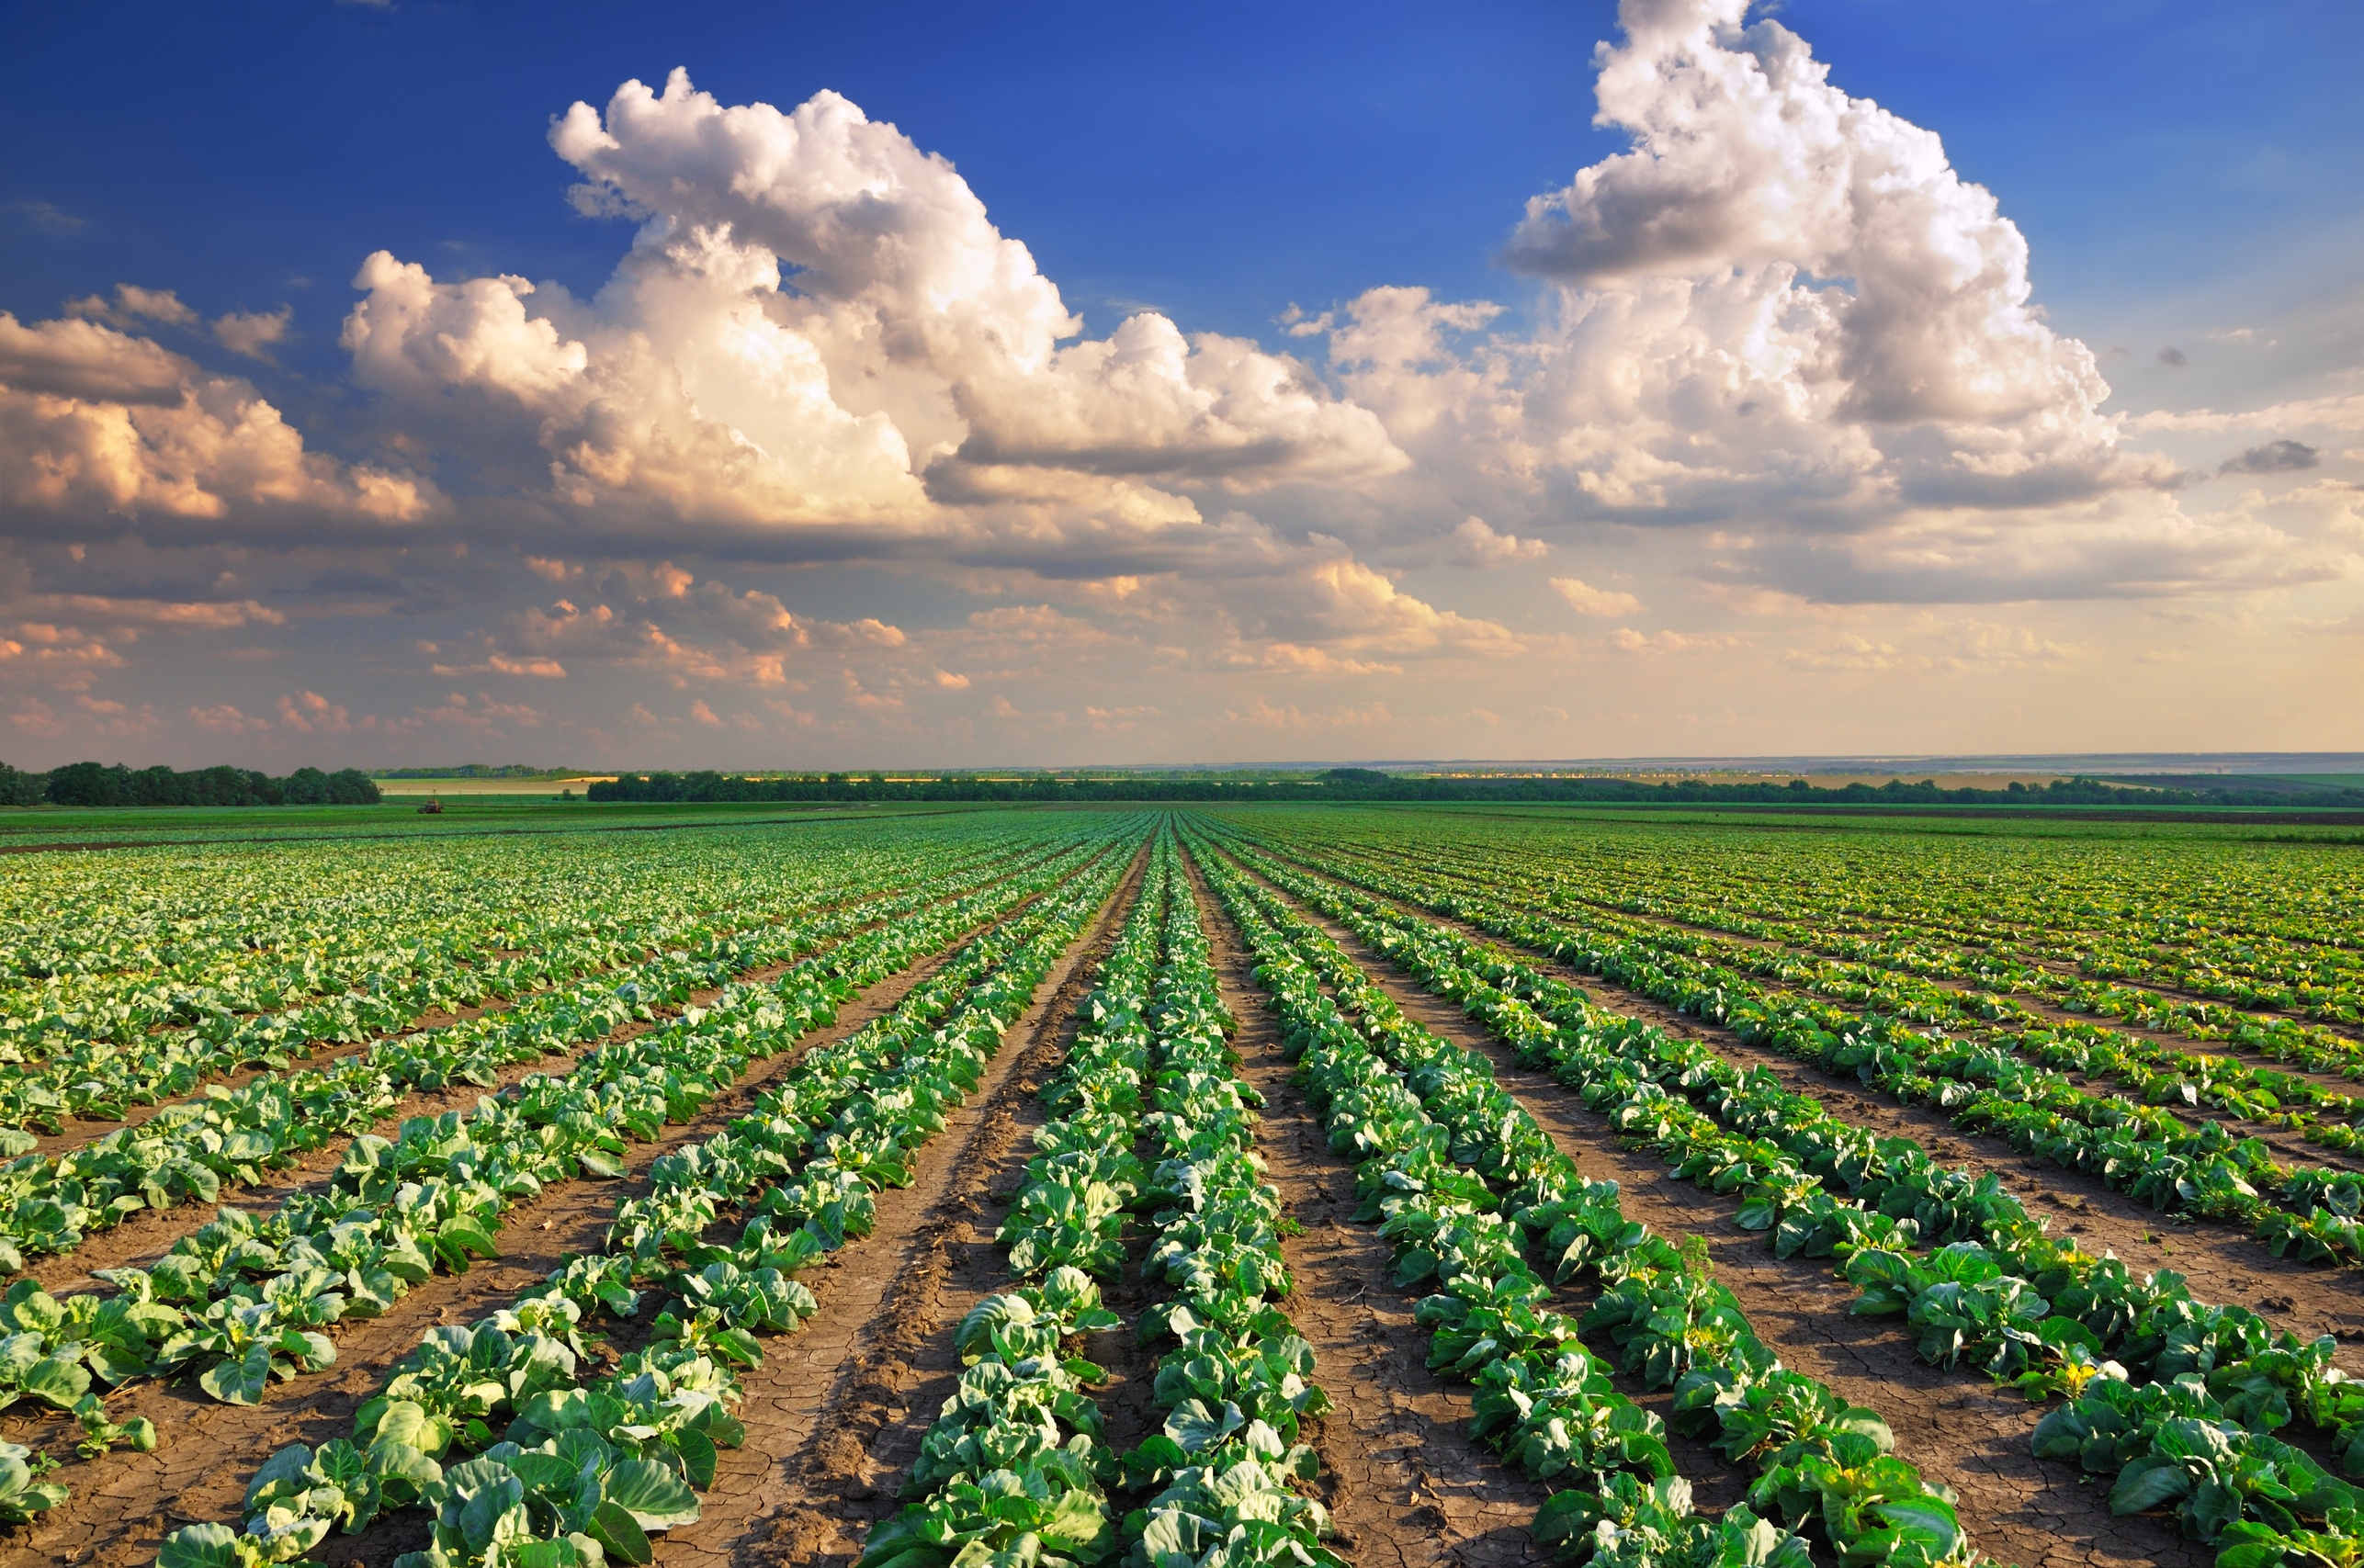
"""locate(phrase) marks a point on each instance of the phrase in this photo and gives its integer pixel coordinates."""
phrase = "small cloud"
(2274, 457)
(704, 715)
(951, 682)
(48, 216)
(550, 566)
(1298, 324)
(1628, 640)
(2234, 335)
(1475, 544)
(1587, 599)
(134, 303)
(251, 333)
(309, 713)
(225, 719)
(501, 664)
(2172, 355)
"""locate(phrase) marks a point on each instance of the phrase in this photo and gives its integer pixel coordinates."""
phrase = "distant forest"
(1366, 784)
(95, 784)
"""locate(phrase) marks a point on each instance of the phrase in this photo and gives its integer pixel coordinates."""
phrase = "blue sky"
(1215, 161)
(2185, 177)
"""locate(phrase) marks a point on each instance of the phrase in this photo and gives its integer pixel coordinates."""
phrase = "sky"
(803, 386)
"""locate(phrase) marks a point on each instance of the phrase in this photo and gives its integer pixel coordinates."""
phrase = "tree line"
(1367, 784)
(96, 783)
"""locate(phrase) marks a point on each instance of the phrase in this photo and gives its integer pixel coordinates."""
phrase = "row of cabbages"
(1015, 1469)
(1238, 1379)
(1988, 1085)
(105, 1078)
(1464, 1185)
(2176, 1398)
(245, 1298)
(434, 926)
(285, 944)
(1982, 1032)
(494, 1428)
(2197, 935)
(188, 1152)
(1013, 1463)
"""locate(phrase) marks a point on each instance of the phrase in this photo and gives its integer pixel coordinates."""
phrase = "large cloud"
(1782, 306)
(1747, 162)
(913, 347)
(674, 387)
(94, 420)
(1776, 359)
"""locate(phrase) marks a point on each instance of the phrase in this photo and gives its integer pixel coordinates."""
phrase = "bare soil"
(124, 1505)
(1403, 1480)
(82, 1130)
(2285, 1144)
(824, 1413)
(2223, 1263)
(1952, 1425)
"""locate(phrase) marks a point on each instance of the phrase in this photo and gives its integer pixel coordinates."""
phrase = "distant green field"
(462, 815)
(472, 813)
(2273, 825)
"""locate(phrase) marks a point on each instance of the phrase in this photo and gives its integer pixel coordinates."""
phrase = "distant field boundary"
(412, 788)
(2263, 815)
(801, 819)
(1769, 817)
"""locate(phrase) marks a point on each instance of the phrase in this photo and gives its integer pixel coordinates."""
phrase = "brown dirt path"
(2224, 1264)
(1403, 1480)
(124, 1505)
(2287, 1145)
(821, 1464)
(148, 1233)
(1952, 1425)
(83, 1130)
(2050, 1012)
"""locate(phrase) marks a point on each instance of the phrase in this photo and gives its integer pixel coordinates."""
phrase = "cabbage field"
(1184, 1188)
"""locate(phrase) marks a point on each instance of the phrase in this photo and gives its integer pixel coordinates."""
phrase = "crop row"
(1978, 1029)
(1895, 968)
(1464, 1185)
(188, 1151)
(99, 1062)
(2243, 925)
(2179, 1397)
(195, 939)
(2142, 1150)
(566, 1470)
(1015, 1461)
(246, 1298)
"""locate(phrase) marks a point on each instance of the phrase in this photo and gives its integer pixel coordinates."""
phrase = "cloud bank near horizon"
(1778, 392)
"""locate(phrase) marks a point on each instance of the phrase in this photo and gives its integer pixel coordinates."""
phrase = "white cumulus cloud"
(94, 420)
(1587, 599)
(1476, 544)
(818, 322)
(1782, 304)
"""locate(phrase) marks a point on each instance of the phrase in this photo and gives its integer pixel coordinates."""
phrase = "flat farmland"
(1009, 1189)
